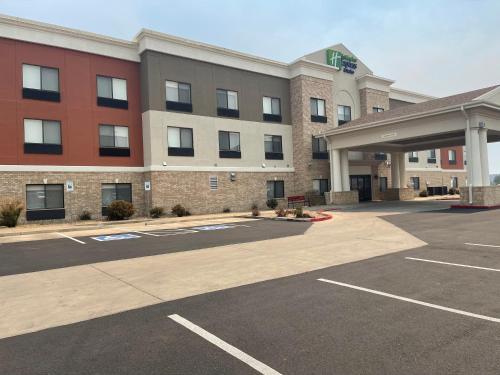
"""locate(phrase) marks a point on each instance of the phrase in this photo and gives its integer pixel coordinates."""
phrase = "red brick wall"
(78, 111)
(445, 164)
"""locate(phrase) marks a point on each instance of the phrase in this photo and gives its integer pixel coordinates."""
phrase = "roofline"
(419, 95)
(453, 108)
(489, 94)
(38, 32)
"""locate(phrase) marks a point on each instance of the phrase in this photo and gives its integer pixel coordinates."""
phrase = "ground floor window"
(454, 182)
(321, 185)
(275, 189)
(45, 202)
(382, 184)
(115, 192)
(415, 182)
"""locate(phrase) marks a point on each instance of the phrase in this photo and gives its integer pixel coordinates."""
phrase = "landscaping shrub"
(299, 212)
(179, 210)
(156, 212)
(120, 210)
(423, 193)
(255, 210)
(453, 191)
(10, 212)
(226, 210)
(85, 215)
(282, 212)
(272, 203)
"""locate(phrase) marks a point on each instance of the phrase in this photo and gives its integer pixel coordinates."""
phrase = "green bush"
(179, 210)
(85, 215)
(272, 203)
(10, 212)
(226, 210)
(423, 193)
(120, 210)
(156, 212)
(255, 210)
(453, 191)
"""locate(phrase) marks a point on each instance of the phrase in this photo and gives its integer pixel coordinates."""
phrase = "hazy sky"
(435, 47)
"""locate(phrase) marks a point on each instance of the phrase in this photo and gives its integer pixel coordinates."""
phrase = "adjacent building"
(160, 120)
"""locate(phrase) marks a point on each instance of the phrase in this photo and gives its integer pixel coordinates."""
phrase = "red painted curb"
(475, 207)
(325, 217)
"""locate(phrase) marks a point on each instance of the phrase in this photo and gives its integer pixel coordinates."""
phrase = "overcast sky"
(434, 47)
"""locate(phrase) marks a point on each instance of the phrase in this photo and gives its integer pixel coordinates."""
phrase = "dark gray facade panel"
(205, 78)
(394, 103)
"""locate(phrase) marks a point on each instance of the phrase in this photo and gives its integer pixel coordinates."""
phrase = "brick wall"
(370, 98)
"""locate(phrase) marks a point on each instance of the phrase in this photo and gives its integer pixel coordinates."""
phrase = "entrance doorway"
(363, 184)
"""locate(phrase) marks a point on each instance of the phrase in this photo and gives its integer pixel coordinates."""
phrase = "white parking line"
(480, 244)
(228, 348)
(444, 308)
(71, 238)
(146, 233)
(454, 264)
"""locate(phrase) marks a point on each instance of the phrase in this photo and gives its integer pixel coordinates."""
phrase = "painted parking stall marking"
(219, 227)
(228, 348)
(166, 232)
(453, 264)
(70, 238)
(480, 244)
(116, 237)
(417, 302)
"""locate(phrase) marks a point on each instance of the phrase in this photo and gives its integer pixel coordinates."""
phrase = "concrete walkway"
(35, 301)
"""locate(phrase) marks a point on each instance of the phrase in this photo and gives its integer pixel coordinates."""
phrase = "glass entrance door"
(363, 184)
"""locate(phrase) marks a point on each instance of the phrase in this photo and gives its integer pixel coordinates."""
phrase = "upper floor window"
(318, 110)
(229, 145)
(413, 157)
(227, 103)
(273, 147)
(113, 140)
(42, 137)
(344, 114)
(319, 148)
(271, 108)
(452, 156)
(377, 109)
(431, 159)
(178, 96)
(112, 92)
(41, 83)
(180, 141)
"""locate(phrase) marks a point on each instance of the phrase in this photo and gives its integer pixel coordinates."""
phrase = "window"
(319, 148)
(42, 137)
(178, 96)
(380, 156)
(415, 182)
(344, 114)
(273, 147)
(229, 145)
(271, 108)
(213, 182)
(454, 182)
(227, 103)
(382, 184)
(180, 141)
(413, 157)
(275, 189)
(452, 156)
(114, 192)
(431, 159)
(40, 83)
(45, 202)
(113, 140)
(112, 92)
(321, 185)
(377, 109)
(318, 110)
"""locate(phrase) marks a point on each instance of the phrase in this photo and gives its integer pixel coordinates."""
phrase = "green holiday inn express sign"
(340, 61)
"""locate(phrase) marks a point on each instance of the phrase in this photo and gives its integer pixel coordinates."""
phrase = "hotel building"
(161, 120)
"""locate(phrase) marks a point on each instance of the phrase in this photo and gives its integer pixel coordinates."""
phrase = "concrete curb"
(323, 217)
(475, 207)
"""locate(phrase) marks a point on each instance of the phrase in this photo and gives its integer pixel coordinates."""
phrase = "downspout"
(469, 151)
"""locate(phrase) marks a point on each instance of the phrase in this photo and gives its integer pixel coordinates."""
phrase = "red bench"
(296, 199)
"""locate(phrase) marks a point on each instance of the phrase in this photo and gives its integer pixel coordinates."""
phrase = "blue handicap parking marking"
(213, 227)
(114, 237)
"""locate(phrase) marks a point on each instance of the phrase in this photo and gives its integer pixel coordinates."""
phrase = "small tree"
(255, 210)
(10, 212)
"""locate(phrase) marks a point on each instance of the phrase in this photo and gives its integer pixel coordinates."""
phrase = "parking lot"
(430, 310)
